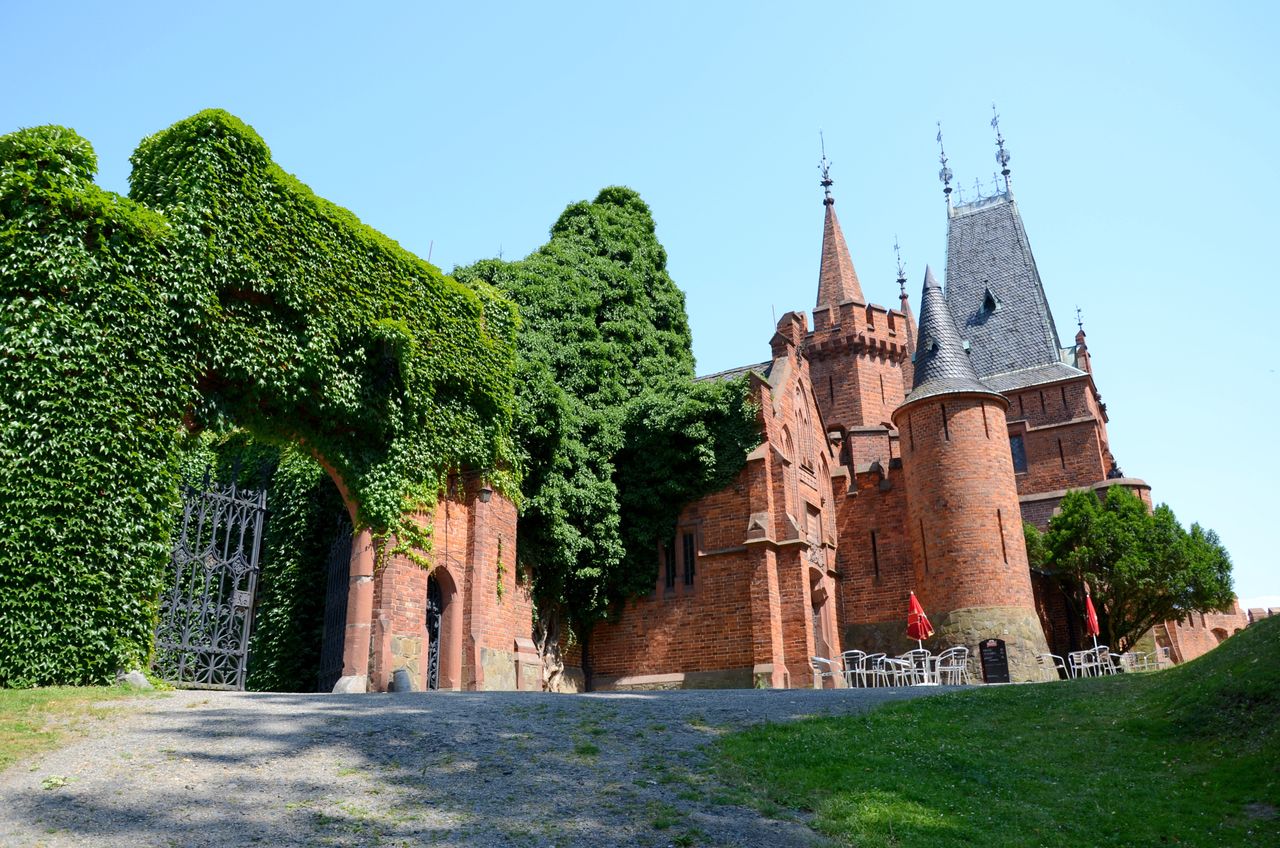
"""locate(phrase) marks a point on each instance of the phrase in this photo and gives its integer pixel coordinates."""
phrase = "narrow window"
(1042, 401)
(1022, 410)
(1019, 451)
(924, 547)
(985, 427)
(687, 543)
(911, 433)
(1062, 456)
(882, 388)
(1004, 551)
(875, 555)
(669, 567)
(831, 389)
(1064, 398)
(946, 431)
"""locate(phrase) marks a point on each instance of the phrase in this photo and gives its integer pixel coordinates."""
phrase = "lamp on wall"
(485, 493)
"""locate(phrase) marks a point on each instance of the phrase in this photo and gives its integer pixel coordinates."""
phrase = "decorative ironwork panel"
(335, 607)
(202, 638)
(435, 607)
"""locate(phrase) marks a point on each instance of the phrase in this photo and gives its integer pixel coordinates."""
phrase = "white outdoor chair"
(1085, 663)
(918, 669)
(855, 669)
(1054, 664)
(953, 666)
(895, 671)
(824, 668)
(1105, 665)
(873, 672)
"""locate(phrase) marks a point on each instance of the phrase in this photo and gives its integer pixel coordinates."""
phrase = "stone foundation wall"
(729, 678)
(1019, 627)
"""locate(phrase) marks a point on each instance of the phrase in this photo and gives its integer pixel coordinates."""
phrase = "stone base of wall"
(502, 667)
(730, 678)
(571, 681)
(1019, 627)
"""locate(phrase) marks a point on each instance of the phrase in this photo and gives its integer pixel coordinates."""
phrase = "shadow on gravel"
(491, 769)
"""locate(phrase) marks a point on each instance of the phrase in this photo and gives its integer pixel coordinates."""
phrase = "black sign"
(995, 661)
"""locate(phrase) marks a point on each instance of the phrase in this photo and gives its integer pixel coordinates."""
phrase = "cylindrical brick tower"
(964, 520)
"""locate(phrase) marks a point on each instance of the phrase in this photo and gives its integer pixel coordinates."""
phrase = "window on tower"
(1019, 451)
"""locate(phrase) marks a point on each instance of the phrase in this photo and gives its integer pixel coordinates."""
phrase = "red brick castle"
(896, 457)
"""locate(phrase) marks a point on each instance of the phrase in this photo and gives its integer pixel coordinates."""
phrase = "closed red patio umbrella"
(1090, 617)
(918, 626)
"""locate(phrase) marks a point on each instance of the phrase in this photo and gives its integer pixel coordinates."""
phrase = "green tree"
(614, 435)
(1142, 566)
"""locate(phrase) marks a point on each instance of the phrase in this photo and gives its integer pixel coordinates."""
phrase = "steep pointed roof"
(994, 289)
(837, 281)
(941, 362)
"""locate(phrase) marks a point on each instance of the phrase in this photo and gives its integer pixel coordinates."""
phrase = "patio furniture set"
(1099, 661)
(918, 667)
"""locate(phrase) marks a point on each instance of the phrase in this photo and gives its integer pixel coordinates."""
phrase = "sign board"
(995, 661)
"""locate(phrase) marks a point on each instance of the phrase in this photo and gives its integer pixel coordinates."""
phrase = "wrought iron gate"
(202, 638)
(434, 610)
(335, 607)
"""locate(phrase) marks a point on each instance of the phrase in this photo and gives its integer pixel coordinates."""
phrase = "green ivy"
(96, 368)
(223, 293)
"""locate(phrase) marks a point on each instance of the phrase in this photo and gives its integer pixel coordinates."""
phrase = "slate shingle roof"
(1012, 380)
(994, 289)
(941, 363)
(762, 369)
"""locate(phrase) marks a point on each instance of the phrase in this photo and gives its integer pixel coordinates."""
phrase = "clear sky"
(1143, 136)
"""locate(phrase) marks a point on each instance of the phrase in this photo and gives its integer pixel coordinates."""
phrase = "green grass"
(1187, 757)
(35, 720)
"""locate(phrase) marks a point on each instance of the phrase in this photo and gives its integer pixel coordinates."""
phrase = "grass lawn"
(34, 720)
(1189, 756)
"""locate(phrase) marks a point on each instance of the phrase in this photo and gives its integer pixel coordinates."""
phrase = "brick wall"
(468, 539)
(765, 556)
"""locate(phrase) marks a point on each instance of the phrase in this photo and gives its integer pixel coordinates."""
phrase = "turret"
(970, 560)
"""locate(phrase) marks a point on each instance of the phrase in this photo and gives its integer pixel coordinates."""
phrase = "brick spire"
(837, 281)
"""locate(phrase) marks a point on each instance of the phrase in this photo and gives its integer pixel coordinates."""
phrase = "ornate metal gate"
(202, 638)
(335, 607)
(434, 610)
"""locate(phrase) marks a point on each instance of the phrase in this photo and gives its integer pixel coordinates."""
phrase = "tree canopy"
(1141, 566)
(614, 433)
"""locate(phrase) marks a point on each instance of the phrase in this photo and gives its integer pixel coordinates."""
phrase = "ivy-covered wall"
(97, 359)
(225, 293)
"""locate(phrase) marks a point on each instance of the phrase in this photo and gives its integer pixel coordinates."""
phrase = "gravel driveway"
(459, 769)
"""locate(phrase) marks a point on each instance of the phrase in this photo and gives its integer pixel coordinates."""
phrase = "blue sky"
(1143, 138)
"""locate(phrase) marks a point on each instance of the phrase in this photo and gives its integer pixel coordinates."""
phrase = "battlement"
(858, 326)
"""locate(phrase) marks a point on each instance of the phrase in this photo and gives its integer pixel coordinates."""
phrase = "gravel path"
(452, 769)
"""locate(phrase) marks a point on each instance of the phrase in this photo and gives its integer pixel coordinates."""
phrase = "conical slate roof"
(837, 281)
(941, 362)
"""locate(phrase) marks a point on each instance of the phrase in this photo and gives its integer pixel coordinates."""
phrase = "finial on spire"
(945, 173)
(902, 271)
(1079, 319)
(824, 167)
(1002, 155)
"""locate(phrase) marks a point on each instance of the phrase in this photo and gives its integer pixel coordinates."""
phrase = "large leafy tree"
(1142, 566)
(615, 436)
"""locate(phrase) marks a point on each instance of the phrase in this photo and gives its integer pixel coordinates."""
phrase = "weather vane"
(1079, 319)
(825, 167)
(1002, 155)
(945, 173)
(902, 271)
